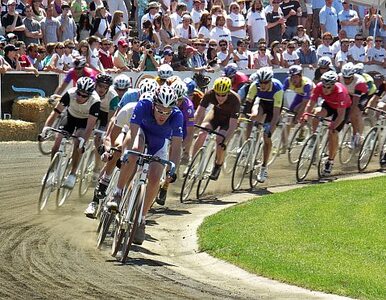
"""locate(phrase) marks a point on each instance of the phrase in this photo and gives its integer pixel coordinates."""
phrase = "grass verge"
(329, 237)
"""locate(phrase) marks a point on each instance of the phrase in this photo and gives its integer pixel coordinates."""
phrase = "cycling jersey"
(110, 101)
(72, 75)
(357, 87)
(187, 110)
(196, 98)
(81, 111)
(238, 80)
(372, 88)
(274, 95)
(123, 117)
(156, 135)
(303, 93)
(339, 98)
(131, 95)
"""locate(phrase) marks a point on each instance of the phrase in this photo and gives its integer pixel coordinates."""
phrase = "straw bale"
(17, 130)
(32, 110)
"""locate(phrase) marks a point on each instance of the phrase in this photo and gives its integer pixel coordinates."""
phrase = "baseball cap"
(190, 49)
(168, 52)
(10, 47)
(123, 43)
(9, 2)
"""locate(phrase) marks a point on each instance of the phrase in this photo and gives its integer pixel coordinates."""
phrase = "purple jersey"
(187, 109)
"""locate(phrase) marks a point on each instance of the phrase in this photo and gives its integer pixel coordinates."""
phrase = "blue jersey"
(132, 95)
(156, 134)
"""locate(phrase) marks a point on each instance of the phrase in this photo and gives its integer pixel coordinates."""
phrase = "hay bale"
(16, 130)
(32, 110)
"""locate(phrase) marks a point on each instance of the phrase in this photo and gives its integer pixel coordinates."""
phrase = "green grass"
(329, 237)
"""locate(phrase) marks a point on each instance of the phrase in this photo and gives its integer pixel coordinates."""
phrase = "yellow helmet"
(222, 85)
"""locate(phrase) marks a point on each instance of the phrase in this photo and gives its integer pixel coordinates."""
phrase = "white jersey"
(81, 111)
(124, 115)
(324, 51)
(290, 58)
(105, 102)
(377, 54)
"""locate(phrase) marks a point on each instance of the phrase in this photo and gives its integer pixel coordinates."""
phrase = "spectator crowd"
(115, 36)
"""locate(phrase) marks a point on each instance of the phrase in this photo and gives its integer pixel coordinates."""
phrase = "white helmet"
(148, 85)
(359, 68)
(324, 61)
(180, 88)
(264, 74)
(166, 96)
(165, 71)
(147, 95)
(122, 82)
(329, 78)
(85, 84)
(348, 70)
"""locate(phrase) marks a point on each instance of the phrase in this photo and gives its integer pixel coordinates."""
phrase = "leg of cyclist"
(220, 155)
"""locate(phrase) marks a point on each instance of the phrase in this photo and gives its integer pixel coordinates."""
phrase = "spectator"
(121, 60)
(101, 26)
(199, 60)
(67, 29)
(83, 49)
(316, 7)
(186, 32)
(56, 63)
(196, 13)
(11, 56)
(20, 7)
(4, 65)
(291, 10)
(94, 4)
(225, 54)
(205, 26)
(84, 28)
(219, 31)
(307, 55)
(180, 60)
(329, 19)
(290, 56)
(12, 21)
(57, 8)
(149, 36)
(50, 48)
(341, 56)
(377, 54)
(94, 62)
(176, 16)
(213, 61)
(33, 32)
(357, 53)
(369, 44)
(275, 23)
(261, 58)
(157, 29)
(216, 11)
(68, 57)
(276, 54)
(152, 14)
(50, 27)
(119, 5)
(336, 45)
(167, 34)
(167, 57)
(349, 20)
(135, 53)
(149, 60)
(256, 23)
(31, 58)
(118, 29)
(236, 24)
(325, 48)
(78, 8)
(369, 22)
(241, 56)
(301, 34)
(105, 56)
(39, 12)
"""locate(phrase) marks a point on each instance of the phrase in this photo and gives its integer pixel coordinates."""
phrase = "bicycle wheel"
(191, 176)
(323, 157)
(86, 172)
(109, 191)
(49, 183)
(257, 161)
(133, 223)
(240, 167)
(232, 151)
(345, 152)
(204, 181)
(276, 139)
(45, 145)
(63, 193)
(106, 220)
(367, 149)
(295, 146)
(306, 158)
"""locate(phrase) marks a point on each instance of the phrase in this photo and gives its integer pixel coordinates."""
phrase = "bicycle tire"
(86, 172)
(204, 182)
(132, 225)
(296, 143)
(276, 139)
(257, 160)
(45, 144)
(63, 193)
(323, 157)
(44, 197)
(190, 177)
(345, 153)
(240, 166)
(367, 150)
(106, 220)
(109, 191)
(232, 151)
(306, 158)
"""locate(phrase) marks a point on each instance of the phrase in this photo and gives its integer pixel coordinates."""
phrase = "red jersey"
(72, 75)
(238, 80)
(339, 98)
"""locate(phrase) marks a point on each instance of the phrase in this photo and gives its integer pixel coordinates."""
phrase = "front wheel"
(106, 220)
(191, 175)
(306, 158)
(49, 183)
(300, 135)
(367, 149)
(256, 162)
(346, 153)
(63, 193)
(205, 178)
(232, 151)
(241, 166)
(276, 139)
(323, 157)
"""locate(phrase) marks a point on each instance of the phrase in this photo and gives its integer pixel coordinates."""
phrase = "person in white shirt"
(186, 32)
(176, 17)
(357, 52)
(115, 5)
(219, 31)
(336, 45)
(377, 54)
(325, 49)
(290, 56)
(196, 13)
(256, 23)
(225, 54)
(205, 26)
(242, 57)
(341, 56)
(236, 24)
(152, 14)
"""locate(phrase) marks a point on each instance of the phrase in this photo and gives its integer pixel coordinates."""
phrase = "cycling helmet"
(329, 78)
(165, 96)
(79, 63)
(201, 80)
(324, 61)
(253, 77)
(359, 68)
(122, 82)
(295, 70)
(104, 78)
(222, 85)
(148, 85)
(85, 84)
(264, 74)
(348, 70)
(190, 85)
(230, 70)
(179, 88)
(165, 71)
(147, 95)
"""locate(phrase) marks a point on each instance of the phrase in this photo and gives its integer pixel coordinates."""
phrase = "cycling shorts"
(73, 123)
(333, 112)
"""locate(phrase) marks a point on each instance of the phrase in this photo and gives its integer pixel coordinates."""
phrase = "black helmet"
(104, 78)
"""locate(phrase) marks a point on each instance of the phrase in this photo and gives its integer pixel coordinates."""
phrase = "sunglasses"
(221, 95)
(347, 78)
(161, 112)
(327, 86)
(264, 82)
(70, 47)
(291, 47)
(82, 95)
(105, 44)
(136, 42)
(358, 39)
(378, 41)
(262, 49)
(223, 45)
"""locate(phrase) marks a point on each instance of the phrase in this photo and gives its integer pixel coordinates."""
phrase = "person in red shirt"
(104, 54)
(337, 104)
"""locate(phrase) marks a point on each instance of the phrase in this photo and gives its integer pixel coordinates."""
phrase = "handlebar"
(317, 117)
(211, 131)
(150, 158)
(65, 133)
(377, 110)
(288, 111)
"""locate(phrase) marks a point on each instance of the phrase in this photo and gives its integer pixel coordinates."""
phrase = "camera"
(148, 46)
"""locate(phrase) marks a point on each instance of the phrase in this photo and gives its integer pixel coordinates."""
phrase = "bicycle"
(249, 157)
(314, 151)
(131, 206)
(200, 166)
(375, 137)
(57, 172)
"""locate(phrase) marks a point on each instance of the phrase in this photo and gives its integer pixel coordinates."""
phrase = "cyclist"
(358, 89)
(238, 78)
(202, 83)
(164, 72)
(152, 124)
(337, 104)
(83, 107)
(133, 94)
(194, 94)
(79, 70)
(266, 95)
(223, 115)
(324, 65)
(359, 68)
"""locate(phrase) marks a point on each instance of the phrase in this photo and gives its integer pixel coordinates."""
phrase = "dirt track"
(53, 255)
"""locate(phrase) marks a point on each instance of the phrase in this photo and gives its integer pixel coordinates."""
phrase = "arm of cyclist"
(175, 154)
(339, 119)
(233, 123)
(64, 101)
(91, 121)
(187, 142)
(200, 114)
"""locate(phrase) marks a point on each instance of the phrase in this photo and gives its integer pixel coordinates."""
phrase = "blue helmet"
(190, 84)
(230, 70)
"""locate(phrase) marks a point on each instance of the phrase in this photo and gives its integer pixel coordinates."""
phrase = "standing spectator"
(68, 57)
(83, 49)
(118, 29)
(329, 19)
(119, 5)
(357, 53)
(50, 27)
(152, 14)
(307, 55)
(149, 36)
(275, 23)
(325, 48)
(94, 4)
(341, 56)
(276, 54)
(101, 26)
(94, 62)
(121, 61)
(56, 63)
(236, 24)
(33, 31)
(220, 31)
(78, 8)
(84, 28)
(256, 23)
(369, 22)
(196, 13)
(290, 56)
(176, 17)
(12, 21)
(261, 58)
(167, 33)
(205, 26)
(316, 7)
(377, 54)
(241, 56)
(225, 54)
(20, 7)
(39, 12)
(291, 10)
(301, 34)
(67, 29)
(186, 32)
(349, 20)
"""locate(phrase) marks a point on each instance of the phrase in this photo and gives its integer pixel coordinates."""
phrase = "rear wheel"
(367, 149)
(106, 220)
(306, 158)
(203, 183)
(295, 146)
(49, 183)
(232, 151)
(241, 166)
(323, 157)
(190, 176)
(276, 139)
